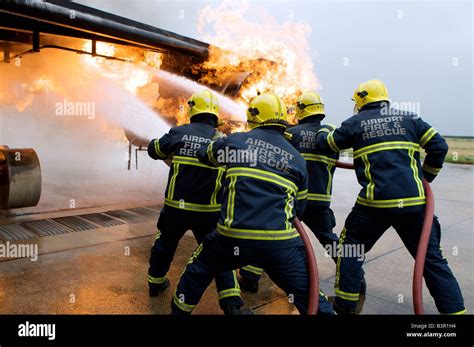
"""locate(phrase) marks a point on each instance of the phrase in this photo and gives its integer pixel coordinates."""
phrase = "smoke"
(74, 118)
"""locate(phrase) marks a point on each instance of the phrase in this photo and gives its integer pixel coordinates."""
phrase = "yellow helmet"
(308, 104)
(370, 91)
(267, 109)
(203, 101)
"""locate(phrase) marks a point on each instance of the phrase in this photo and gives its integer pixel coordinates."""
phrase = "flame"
(129, 75)
(277, 55)
(28, 91)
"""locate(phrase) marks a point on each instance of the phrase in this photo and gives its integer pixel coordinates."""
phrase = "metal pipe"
(91, 21)
(20, 178)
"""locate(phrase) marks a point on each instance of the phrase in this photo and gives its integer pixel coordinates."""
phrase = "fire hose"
(312, 269)
(417, 289)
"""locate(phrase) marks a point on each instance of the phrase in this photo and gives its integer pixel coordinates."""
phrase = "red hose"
(312, 269)
(344, 165)
(422, 249)
(422, 244)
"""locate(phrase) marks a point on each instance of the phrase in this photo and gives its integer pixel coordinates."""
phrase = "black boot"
(155, 289)
(340, 310)
(237, 311)
(248, 285)
(363, 286)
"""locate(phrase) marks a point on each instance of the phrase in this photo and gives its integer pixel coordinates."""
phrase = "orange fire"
(277, 55)
(129, 75)
(41, 85)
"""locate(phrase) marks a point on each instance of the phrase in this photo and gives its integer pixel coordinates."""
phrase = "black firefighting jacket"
(387, 144)
(192, 185)
(320, 165)
(266, 185)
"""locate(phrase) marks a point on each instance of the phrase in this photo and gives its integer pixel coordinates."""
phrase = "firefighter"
(387, 144)
(318, 216)
(192, 198)
(266, 186)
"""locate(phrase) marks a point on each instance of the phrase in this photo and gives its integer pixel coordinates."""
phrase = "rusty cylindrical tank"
(20, 178)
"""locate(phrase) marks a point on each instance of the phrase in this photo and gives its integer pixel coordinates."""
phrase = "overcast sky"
(422, 50)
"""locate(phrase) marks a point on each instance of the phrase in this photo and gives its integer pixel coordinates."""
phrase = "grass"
(461, 150)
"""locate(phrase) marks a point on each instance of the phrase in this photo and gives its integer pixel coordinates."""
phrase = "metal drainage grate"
(102, 219)
(126, 216)
(46, 227)
(145, 212)
(75, 223)
(15, 232)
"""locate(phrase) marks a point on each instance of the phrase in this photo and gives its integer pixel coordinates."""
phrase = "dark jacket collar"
(374, 105)
(311, 120)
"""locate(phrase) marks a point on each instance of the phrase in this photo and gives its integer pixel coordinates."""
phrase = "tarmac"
(97, 263)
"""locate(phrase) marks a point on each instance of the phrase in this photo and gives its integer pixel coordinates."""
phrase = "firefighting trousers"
(172, 224)
(364, 227)
(286, 267)
(321, 221)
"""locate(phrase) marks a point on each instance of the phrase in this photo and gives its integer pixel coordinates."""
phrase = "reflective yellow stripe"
(458, 313)
(332, 143)
(430, 169)
(302, 195)
(402, 202)
(347, 296)
(182, 306)
(267, 235)
(230, 202)
(173, 181)
(217, 187)
(288, 209)
(236, 282)
(157, 235)
(263, 175)
(253, 269)
(342, 237)
(384, 146)
(323, 294)
(370, 186)
(156, 280)
(228, 292)
(157, 149)
(192, 161)
(414, 167)
(323, 130)
(188, 206)
(328, 189)
(319, 197)
(427, 136)
(195, 254)
(210, 156)
(320, 158)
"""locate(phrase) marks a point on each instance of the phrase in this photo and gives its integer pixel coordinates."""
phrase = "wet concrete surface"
(104, 270)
